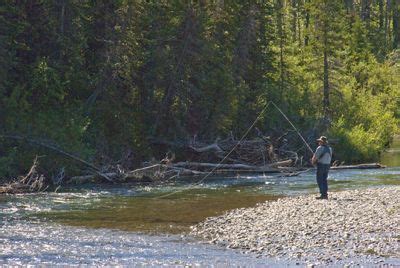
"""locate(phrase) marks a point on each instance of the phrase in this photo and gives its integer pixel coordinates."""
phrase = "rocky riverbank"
(350, 226)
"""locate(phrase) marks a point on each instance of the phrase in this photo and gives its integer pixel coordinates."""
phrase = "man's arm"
(314, 160)
(316, 155)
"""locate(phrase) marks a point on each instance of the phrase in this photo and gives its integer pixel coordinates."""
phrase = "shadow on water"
(31, 233)
(133, 208)
(174, 214)
(391, 157)
(148, 214)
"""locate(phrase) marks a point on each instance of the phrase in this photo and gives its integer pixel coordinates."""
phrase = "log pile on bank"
(228, 157)
(32, 182)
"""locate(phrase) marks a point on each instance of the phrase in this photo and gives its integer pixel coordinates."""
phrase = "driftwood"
(30, 183)
(257, 152)
(284, 163)
(90, 177)
(157, 172)
(209, 148)
(222, 157)
(270, 167)
(360, 166)
(54, 148)
(260, 155)
(212, 165)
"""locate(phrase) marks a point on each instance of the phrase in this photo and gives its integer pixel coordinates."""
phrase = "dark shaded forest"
(123, 82)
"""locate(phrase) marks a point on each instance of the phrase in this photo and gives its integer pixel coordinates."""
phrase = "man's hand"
(314, 160)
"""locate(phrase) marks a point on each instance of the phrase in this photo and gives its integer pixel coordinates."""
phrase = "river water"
(127, 224)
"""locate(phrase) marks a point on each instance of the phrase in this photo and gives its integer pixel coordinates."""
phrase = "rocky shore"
(351, 226)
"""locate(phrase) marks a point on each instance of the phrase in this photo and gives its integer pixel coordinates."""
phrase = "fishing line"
(223, 159)
(290, 122)
(234, 148)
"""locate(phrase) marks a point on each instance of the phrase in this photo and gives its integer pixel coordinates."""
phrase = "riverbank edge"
(353, 226)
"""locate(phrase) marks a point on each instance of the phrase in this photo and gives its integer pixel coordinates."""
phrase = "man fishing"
(322, 158)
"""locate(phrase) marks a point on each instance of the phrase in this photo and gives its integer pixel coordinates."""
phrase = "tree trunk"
(307, 22)
(294, 5)
(326, 79)
(396, 26)
(381, 14)
(366, 11)
(387, 22)
(280, 19)
(164, 118)
(62, 18)
(349, 6)
(300, 6)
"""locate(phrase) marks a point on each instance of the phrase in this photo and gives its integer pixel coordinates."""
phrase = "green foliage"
(107, 79)
(47, 89)
(356, 144)
(8, 162)
(366, 110)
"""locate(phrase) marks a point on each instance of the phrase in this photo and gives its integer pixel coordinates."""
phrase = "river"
(127, 224)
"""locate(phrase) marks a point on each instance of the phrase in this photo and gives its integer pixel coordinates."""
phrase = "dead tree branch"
(54, 148)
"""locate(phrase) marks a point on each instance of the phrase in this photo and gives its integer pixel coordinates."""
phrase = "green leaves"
(105, 78)
(47, 88)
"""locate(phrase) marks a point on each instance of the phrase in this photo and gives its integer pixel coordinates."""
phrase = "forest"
(120, 83)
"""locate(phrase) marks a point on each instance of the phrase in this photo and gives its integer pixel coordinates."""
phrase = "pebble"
(351, 224)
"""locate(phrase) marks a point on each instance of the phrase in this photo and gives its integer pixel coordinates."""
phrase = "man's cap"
(323, 139)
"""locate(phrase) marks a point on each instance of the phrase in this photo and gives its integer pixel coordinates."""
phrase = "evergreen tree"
(120, 81)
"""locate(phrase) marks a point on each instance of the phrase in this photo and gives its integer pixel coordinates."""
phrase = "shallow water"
(34, 244)
(391, 156)
(57, 228)
(132, 208)
(110, 225)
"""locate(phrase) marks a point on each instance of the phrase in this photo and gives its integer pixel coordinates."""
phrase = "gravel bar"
(352, 225)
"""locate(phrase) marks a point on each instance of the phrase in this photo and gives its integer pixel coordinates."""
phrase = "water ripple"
(26, 243)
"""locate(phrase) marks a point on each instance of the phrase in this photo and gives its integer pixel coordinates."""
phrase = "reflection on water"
(133, 208)
(32, 243)
(30, 230)
(391, 157)
(149, 214)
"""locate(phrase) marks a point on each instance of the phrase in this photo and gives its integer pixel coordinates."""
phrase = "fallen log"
(32, 182)
(212, 165)
(153, 172)
(188, 172)
(233, 166)
(162, 171)
(360, 166)
(137, 173)
(140, 171)
(54, 148)
(284, 163)
(209, 148)
(15, 188)
(234, 172)
(90, 177)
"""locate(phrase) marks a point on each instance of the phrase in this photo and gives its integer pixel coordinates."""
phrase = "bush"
(356, 144)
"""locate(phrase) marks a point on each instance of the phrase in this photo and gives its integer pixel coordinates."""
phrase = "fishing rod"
(223, 159)
(237, 144)
(290, 122)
